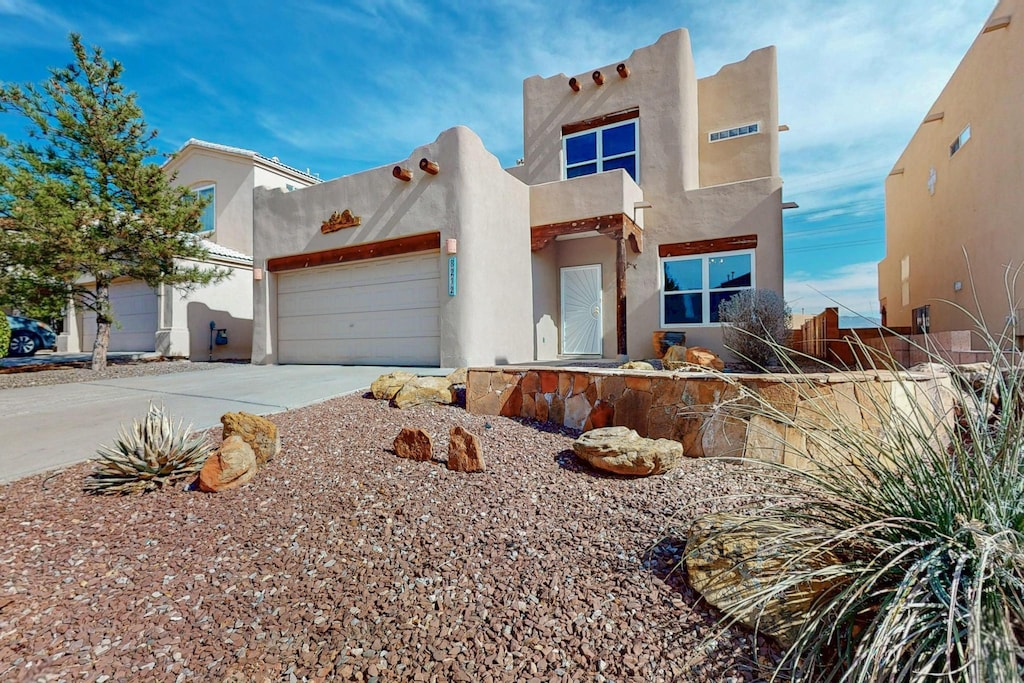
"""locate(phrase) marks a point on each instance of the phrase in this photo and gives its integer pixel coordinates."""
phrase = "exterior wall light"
(429, 166)
(598, 77)
(451, 246)
(402, 173)
(574, 84)
(623, 70)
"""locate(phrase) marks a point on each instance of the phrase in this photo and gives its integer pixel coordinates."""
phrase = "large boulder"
(728, 562)
(464, 451)
(414, 444)
(259, 432)
(230, 466)
(422, 390)
(386, 386)
(458, 375)
(622, 451)
(674, 358)
(705, 358)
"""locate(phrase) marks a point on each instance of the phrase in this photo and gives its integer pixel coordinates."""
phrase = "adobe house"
(164, 320)
(645, 197)
(957, 186)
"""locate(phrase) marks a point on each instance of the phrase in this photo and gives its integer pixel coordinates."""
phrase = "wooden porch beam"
(357, 252)
(612, 225)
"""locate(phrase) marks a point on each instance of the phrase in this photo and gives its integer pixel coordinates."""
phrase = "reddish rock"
(464, 451)
(698, 355)
(414, 444)
(259, 432)
(674, 358)
(548, 381)
(602, 415)
(232, 465)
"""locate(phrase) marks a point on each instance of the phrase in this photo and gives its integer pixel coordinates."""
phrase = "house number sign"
(452, 276)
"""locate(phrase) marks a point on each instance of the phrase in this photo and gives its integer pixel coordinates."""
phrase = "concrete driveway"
(42, 428)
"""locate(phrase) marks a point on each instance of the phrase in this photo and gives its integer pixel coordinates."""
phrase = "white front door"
(582, 325)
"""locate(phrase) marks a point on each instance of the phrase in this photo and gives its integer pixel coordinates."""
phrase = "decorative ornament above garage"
(339, 221)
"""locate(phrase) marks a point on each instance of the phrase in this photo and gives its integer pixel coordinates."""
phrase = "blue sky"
(337, 87)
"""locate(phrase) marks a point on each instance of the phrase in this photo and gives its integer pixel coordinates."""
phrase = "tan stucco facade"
(941, 203)
(519, 231)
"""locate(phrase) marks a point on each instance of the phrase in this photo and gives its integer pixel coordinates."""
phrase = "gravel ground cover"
(343, 562)
(46, 375)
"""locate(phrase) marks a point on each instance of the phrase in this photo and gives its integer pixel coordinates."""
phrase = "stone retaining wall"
(705, 412)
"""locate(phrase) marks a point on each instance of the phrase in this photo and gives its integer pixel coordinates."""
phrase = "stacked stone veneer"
(708, 413)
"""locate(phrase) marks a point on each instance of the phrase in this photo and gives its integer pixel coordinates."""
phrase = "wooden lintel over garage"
(615, 225)
(357, 252)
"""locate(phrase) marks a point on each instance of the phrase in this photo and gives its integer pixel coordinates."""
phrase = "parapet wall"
(705, 412)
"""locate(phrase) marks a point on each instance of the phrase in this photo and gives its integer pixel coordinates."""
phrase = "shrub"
(149, 455)
(5, 335)
(757, 325)
(926, 517)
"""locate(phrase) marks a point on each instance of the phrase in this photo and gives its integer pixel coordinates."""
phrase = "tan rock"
(230, 466)
(464, 451)
(458, 375)
(622, 451)
(698, 355)
(386, 386)
(414, 444)
(422, 390)
(260, 433)
(636, 365)
(728, 561)
(674, 358)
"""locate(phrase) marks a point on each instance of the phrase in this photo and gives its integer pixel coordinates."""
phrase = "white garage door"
(134, 305)
(373, 312)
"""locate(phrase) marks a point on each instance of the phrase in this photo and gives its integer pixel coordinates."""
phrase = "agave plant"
(925, 519)
(148, 455)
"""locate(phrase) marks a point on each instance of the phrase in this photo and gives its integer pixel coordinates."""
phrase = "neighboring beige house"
(163, 319)
(645, 197)
(958, 186)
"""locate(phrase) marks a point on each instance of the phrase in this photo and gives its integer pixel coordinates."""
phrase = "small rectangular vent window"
(961, 140)
(738, 132)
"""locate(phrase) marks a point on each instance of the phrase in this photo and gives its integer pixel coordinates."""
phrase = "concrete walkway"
(42, 428)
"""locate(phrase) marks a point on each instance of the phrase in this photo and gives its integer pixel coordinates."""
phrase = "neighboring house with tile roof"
(176, 325)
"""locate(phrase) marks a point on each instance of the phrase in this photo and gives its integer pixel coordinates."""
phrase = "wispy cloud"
(851, 287)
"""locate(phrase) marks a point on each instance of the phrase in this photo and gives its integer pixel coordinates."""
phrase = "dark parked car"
(28, 336)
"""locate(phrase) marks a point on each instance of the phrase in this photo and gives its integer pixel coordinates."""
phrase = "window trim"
(960, 140)
(705, 290)
(720, 138)
(599, 144)
(212, 205)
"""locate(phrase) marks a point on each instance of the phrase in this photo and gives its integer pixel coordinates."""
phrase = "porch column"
(620, 293)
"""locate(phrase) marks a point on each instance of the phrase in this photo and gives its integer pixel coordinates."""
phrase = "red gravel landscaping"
(343, 562)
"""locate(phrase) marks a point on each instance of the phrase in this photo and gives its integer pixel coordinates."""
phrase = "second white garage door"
(373, 312)
(134, 305)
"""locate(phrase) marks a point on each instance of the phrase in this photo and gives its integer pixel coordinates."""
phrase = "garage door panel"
(391, 296)
(365, 272)
(378, 324)
(375, 312)
(135, 309)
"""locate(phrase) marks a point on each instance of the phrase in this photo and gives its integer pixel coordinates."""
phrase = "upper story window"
(961, 140)
(602, 148)
(692, 287)
(208, 220)
(738, 132)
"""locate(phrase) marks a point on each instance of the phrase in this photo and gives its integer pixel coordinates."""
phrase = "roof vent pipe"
(598, 77)
(429, 166)
(402, 173)
(623, 70)
(574, 84)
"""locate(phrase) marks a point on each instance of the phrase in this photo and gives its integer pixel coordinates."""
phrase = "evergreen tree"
(81, 204)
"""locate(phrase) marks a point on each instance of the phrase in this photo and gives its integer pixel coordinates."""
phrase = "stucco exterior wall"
(975, 203)
(662, 83)
(600, 194)
(233, 177)
(472, 200)
(752, 207)
(740, 94)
